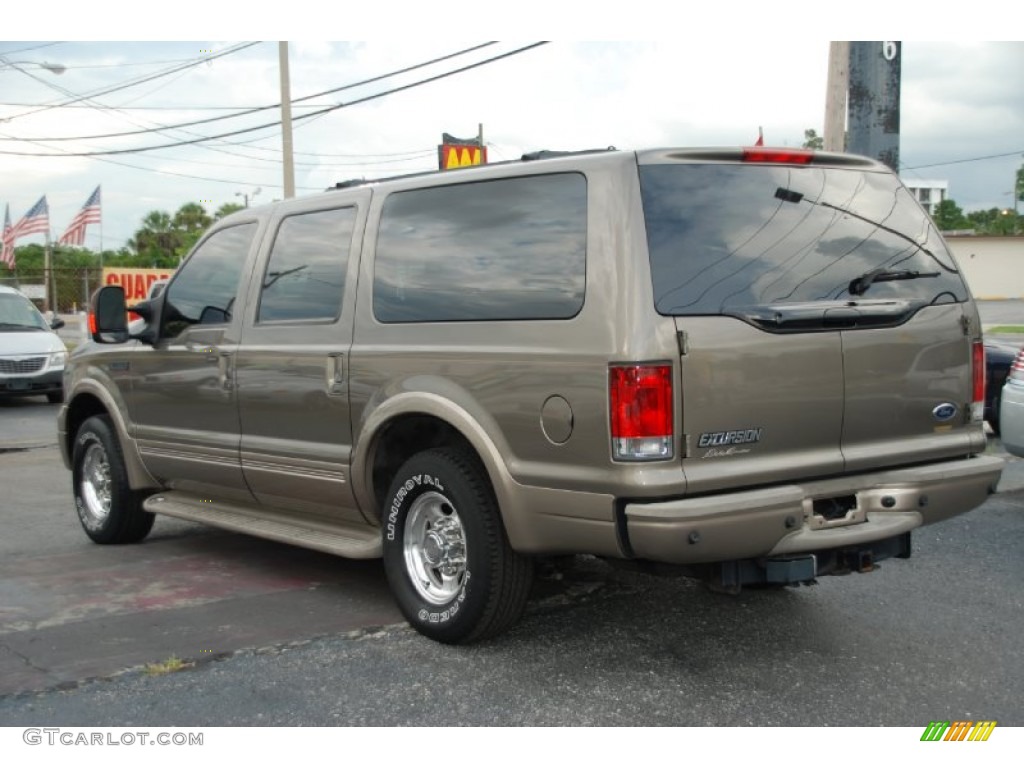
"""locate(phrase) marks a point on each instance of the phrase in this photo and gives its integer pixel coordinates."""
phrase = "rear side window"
(507, 249)
(729, 237)
(305, 277)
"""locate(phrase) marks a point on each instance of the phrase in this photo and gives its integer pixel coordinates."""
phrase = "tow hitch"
(731, 576)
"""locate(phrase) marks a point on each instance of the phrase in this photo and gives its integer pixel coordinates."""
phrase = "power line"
(965, 160)
(276, 123)
(143, 109)
(160, 129)
(254, 110)
(137, 81)
(30, 48)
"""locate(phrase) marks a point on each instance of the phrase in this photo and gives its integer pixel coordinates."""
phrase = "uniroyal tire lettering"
(432, 617)
(410, 485)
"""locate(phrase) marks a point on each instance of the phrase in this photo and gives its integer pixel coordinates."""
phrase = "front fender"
(96, 383)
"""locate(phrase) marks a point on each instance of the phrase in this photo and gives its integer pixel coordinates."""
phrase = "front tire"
(109, 510)
(448, 560)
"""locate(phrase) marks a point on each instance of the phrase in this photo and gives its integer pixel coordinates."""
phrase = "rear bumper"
(782, 520)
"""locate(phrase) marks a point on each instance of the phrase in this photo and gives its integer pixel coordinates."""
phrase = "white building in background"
(992, 266)
(929, 192)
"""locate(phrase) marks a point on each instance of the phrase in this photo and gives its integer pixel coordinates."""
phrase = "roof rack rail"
(528, 157)
(544, 154)
(349, 183)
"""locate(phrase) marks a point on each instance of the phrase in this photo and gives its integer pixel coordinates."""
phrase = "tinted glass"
(733, 236)
(305, 276)
(506, 249)
(205, 287)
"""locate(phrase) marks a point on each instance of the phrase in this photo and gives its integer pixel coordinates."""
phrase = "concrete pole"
(48, 297)
(835, 96)
(874, 101)
(286, 122)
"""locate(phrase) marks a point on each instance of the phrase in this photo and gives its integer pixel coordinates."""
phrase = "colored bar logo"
(959, 730)
(461, 155)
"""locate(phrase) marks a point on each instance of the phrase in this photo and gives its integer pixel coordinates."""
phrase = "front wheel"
(109, 510)
(448, 560)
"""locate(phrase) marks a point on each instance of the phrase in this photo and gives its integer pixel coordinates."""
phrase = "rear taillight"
(1016, 374)
(781, 156)
(640, 405)
(978, 376)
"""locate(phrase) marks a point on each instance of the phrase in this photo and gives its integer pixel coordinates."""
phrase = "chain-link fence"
(63, 291)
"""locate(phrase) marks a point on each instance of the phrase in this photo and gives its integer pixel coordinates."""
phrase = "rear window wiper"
(860, 285)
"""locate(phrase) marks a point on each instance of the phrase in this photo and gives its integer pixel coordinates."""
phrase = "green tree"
(156, 243)
(948, 216)
(812, 140)
(190, 221)
(226, 210)
(996, 221)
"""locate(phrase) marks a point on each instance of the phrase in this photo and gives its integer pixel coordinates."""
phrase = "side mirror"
(108, 316)
(57, 323)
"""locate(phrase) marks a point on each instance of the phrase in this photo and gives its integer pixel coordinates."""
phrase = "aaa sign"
(460, 155)
(136, 282)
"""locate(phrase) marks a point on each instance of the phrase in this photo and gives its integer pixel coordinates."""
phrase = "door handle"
(335, 374)
(225, 371)
(202, 349)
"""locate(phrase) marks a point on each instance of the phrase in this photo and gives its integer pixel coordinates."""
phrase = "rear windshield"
(727, 237)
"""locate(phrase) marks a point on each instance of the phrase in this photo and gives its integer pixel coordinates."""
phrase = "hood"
(29, 343)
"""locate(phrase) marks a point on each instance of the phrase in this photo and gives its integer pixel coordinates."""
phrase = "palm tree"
(157, 240)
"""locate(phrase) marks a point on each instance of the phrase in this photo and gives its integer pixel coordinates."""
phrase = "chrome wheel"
(434, 545)
(95, 485)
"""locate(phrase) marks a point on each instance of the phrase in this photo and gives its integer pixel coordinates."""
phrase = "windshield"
(18, 313)
(724, 237)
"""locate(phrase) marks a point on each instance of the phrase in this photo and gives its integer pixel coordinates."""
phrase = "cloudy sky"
(962, 111)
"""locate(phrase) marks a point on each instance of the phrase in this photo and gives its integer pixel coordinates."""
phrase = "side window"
(305, 277)
(506, 249)
(204, 289)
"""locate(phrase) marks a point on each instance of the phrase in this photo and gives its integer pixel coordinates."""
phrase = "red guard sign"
(460, 155)
(135, 281)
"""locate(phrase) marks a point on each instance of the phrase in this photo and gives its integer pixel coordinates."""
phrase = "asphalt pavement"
(935, 637)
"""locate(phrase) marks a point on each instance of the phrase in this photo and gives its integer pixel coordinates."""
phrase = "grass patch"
(173, 664)
(1006, 329)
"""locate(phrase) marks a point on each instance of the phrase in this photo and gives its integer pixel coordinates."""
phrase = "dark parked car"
(998, 359)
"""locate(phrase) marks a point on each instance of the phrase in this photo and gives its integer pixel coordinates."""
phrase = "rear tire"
(448, 560)
(109, 510)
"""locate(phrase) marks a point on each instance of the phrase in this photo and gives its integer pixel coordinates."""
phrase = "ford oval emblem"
(944, 412)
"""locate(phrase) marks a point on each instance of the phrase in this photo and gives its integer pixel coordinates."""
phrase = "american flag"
(7, 250)
(36, 220)
(90, 214)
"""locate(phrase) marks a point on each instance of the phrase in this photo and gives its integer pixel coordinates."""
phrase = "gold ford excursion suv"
(761, 364)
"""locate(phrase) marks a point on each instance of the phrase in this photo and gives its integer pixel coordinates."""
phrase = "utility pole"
(286, 122)
(874, 101)
(835, 96)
